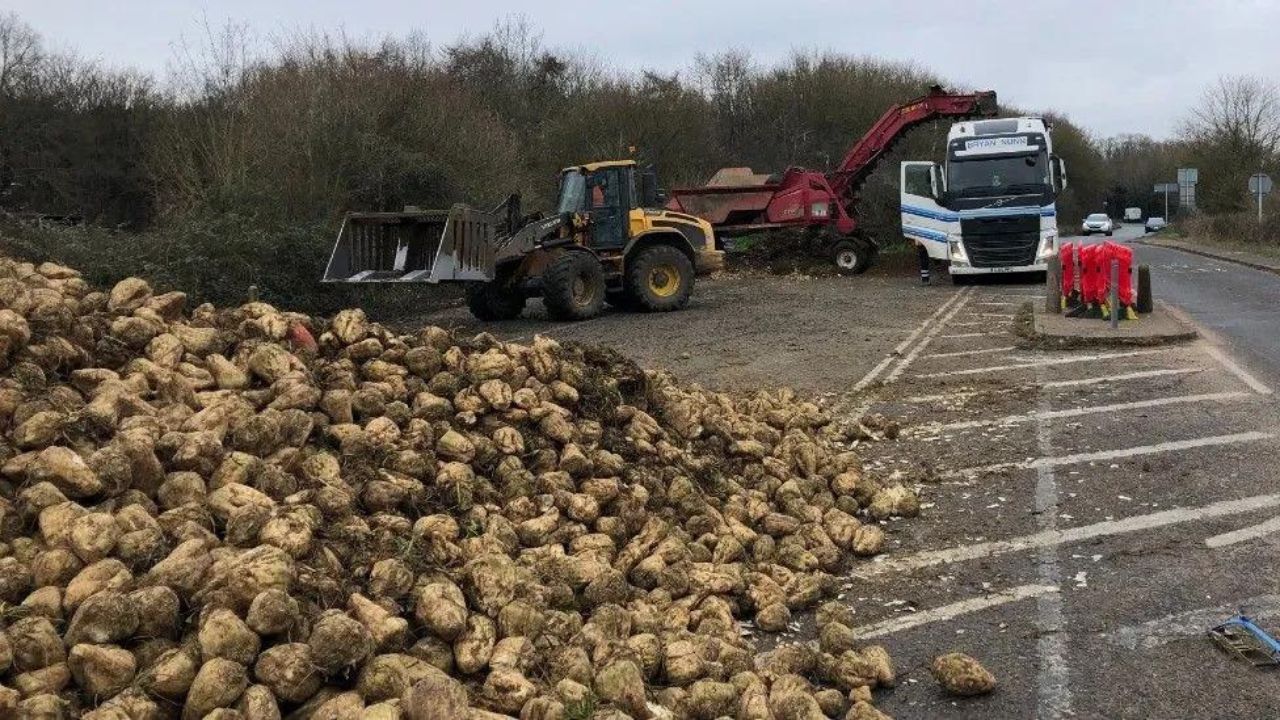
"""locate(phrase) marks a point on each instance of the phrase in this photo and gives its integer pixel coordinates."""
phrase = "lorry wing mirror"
(937, 182)
(1059, 173)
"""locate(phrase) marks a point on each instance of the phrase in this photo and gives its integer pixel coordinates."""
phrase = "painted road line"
(967, 335)
(1247, 533)
(1101, 380)
(1231, 367)
(871, 376)
(962, 353)
(1039, 363)
(1005, 316)
(978, 323)
(996, 304)
(928, 337)
(1080, 411)
(1191, 623)
(950, 612)
(1046, 538)
(1053, 691)
(1104, 455)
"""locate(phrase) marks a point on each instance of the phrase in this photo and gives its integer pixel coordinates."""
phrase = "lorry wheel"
(659, 278)
(491, 301)
(573, 286)
(851, 257)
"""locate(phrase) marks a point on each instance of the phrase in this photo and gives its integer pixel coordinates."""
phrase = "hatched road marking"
(1039, 363)
(1174, 445)
(928, 338)
(952, 611)
(1247, 533)
(1048, 538)
(1077, 412)
(874, 373)
(1141, 374)
(983, 351)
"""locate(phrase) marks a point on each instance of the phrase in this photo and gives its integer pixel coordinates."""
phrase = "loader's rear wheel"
(491, 301)
(852, 257)
(573, 286)
(659, 278)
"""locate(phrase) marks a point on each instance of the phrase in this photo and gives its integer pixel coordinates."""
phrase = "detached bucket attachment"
(415, 246)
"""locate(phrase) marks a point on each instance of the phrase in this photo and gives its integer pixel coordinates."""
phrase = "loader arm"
(862, 158)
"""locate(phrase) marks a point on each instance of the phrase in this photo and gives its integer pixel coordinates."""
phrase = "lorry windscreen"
(983, 175)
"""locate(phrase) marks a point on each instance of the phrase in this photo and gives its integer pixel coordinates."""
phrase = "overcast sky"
(1113, 66)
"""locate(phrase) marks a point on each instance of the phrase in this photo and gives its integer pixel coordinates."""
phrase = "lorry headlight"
(958, 254)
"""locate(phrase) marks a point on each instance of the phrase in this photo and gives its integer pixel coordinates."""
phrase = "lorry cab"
(989, 207)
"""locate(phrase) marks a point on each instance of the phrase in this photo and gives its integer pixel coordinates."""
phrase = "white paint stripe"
(977, 323)
(1247, 533)
(950, 612)
(1005, 316)
(928, 337)
(1046, 538)
(1050, 361)
(983, 351)
(1103, 379)
(1236, 370)
(968, 335)
(997, 304)
(1192, 623)
(897, 351)
(1101, 455)
(1053, 693)
(1080, 411)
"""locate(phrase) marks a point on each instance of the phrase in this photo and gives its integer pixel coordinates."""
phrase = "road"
(1087, 514)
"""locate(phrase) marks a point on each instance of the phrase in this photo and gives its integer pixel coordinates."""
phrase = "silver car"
(1097, 223)
(1156, 224)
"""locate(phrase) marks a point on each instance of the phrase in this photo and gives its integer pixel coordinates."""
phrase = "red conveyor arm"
(861, 159)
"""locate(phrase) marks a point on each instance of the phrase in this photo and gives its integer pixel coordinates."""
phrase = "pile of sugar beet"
(251, 513)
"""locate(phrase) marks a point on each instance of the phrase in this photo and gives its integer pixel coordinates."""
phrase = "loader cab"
(604, 192)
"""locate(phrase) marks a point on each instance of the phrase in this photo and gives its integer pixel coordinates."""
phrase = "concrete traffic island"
(1161, 326)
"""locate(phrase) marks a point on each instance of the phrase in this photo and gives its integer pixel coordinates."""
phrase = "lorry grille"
(1001, 241)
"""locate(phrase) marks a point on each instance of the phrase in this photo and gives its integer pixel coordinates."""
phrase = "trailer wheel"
(573, 286)
(491, 301)
(851, 257)
(659, 278)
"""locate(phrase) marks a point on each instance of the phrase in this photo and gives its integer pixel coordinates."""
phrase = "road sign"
(1259, 185)
(1188, 176)
(1166, 187)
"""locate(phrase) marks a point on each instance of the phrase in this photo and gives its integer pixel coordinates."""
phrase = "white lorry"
(1133, 214)
(990, 206)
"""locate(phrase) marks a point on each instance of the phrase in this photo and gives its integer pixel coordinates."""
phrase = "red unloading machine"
(737, 201)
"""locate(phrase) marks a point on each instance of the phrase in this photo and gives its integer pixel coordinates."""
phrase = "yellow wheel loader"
(608, 240)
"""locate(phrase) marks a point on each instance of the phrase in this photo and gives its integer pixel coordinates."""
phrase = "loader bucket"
(414, 246)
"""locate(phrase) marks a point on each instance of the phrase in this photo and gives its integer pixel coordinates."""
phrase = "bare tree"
(1232, 132)
(20, 51)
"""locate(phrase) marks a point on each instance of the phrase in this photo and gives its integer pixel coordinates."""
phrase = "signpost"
(1165, 189)
(1259, 185)
(1187, 179)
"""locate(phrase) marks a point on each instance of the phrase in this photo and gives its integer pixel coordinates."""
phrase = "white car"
(1155, 224)
(1097, 223)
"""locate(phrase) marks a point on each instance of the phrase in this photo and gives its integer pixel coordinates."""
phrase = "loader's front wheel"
(573, 286)
(659, 278)
(491, 301)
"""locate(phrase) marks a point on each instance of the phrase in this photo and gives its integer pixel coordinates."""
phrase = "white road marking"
(928, 337)
(997, 304)
(1079, 411)
(897, 351)
(983, 351)
(968, 335)
(972, 323)
(1005, 316)
(1231, 367)
(1046, 538)
(1138, 375)
(1050, 361)
(1054, 694)
(1192, 623)
(1171, 446)
(952, 611)
(1246, 533)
